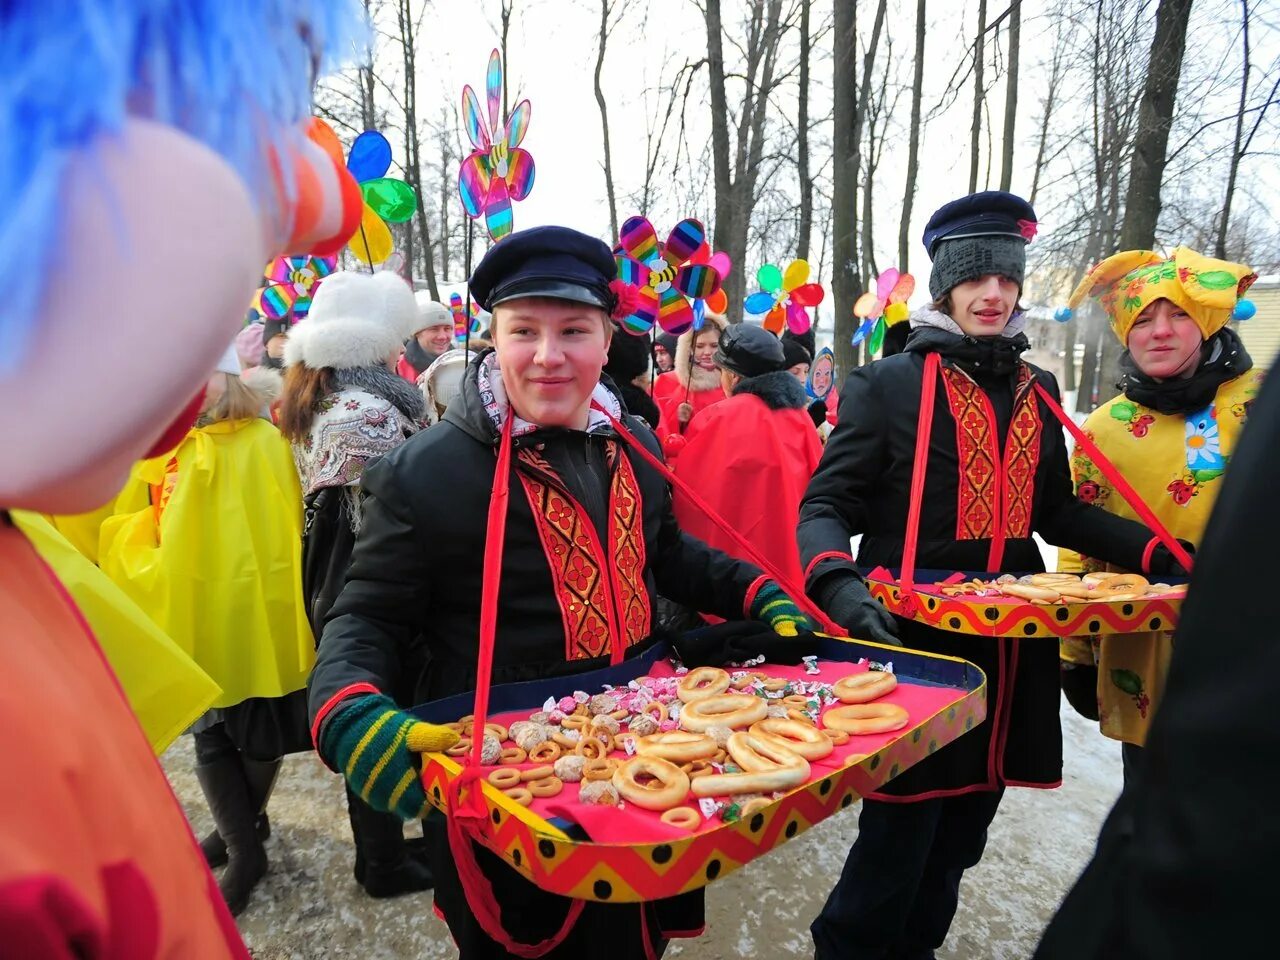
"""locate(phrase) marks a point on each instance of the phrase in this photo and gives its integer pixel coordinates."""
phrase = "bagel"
(672, 788)
(864, 687)
(520, 795)
(810, 742)
(1052, 579)
(505, 777)
(537, 773)
(702, 682)
(1125, 583)
(546, 752)
(777, 768)
(678, 746)
(511, 755)
(683, 818)
(546, 787)
(731, 710)
(864, 718)
(1026, 591)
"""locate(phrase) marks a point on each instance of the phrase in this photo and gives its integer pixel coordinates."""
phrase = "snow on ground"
(310, 908)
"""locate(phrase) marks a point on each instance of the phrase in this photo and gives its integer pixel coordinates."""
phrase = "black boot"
(385, 866)
(226, 790)
(261, 778)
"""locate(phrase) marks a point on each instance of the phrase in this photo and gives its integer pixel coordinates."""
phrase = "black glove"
(1164, 564)
(846, 600)
(818, 412)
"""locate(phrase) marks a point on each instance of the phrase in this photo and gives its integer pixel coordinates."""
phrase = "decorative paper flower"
(1028, 229)
(385, 198)
(498, 170)
(664, 274)
(782, 297)
(625, 299)
(460, 319)
(716, 302)
(1204, 447)
(291, 284)
(882, 309)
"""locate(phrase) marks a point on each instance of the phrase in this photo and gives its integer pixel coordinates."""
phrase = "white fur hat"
(356, 320)
(431, 313)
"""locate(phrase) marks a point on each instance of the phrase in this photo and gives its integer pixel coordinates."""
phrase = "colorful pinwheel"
(717, 302)
(783, 297)
(459, 317)
(385, 198)
(291, 283)
(497, 171)
(665, 277)
(882, 309)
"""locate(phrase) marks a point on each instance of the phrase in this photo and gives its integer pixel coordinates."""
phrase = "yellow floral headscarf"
(1126, 282)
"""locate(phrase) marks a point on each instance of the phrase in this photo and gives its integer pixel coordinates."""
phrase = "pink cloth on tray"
(632, 824)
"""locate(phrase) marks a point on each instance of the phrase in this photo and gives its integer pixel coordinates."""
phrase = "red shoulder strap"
(924, 427)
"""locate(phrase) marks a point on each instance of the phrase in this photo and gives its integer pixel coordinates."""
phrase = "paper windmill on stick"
(664, 274)
(783, 297)
(459, 316)
(880, 310)
(498, 171)
(385, 198)
(716, 302)
(291, 284)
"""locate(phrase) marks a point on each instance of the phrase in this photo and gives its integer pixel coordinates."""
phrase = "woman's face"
(800, 371)
(704, 348)
(982, 307)
(822, 376)
(1164, 341)
(662, 357)
(275, 346)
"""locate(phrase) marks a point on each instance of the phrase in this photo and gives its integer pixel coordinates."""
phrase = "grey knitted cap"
(968, 258)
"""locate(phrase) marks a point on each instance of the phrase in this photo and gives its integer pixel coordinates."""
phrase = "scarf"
(418, 358)
(383, 383)
(976, 356)
(929, 317)
(493, 394)
(1222, 358)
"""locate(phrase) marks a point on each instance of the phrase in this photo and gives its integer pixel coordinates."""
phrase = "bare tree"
(413, 146)
(913, 142)
(1046, 114)
(606, 8)
(1155, 115)
(802, 139)
(736, 178)
(1011, 93)
(975, 128)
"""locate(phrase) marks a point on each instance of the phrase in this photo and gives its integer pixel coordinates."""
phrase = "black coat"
(411, 605)
(1185, 865)
(863, 486)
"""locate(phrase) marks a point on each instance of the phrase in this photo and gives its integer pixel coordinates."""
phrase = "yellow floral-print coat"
(1176, 464)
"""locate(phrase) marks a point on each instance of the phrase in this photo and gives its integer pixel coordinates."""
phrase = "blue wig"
(233, 74)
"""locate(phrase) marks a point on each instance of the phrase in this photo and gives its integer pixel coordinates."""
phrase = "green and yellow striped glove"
(772, 606)
(372, 743)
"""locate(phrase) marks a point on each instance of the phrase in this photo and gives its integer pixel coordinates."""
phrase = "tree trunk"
(448, 193)
(604, 119)
(844, 265)
(1011, 93)
(724, 228)
(507, 6)
(913, 143)
(413, 150)
(802, 144)
(975, 128)
(1155, 115)
(1055, 75)
(1220, 246)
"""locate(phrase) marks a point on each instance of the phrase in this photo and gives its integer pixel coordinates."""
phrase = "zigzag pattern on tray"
(618, 873)
(1001, 618)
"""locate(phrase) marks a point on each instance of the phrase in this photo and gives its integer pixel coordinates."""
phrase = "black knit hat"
(976, 236)
(793, 352)
(749, 351)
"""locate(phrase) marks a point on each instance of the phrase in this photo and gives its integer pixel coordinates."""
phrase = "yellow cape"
(221, 572)
(166, 690)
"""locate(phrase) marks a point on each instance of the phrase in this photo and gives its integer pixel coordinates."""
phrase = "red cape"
(752, 465)
(668, 394)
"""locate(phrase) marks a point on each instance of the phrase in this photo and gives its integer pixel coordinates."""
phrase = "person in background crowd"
(432, 338)
(443, 381)
(215, 561)
(694, 383)
(628, 367)
(664, 352)
(404, 630)
(819, 387)
(900, 885)
(274, 335)
(751, 457)
(1187, 384)
(797, 359)
(343, 408)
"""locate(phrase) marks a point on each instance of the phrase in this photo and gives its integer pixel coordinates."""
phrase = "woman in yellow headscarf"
(215, 561)
(1187, 384)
